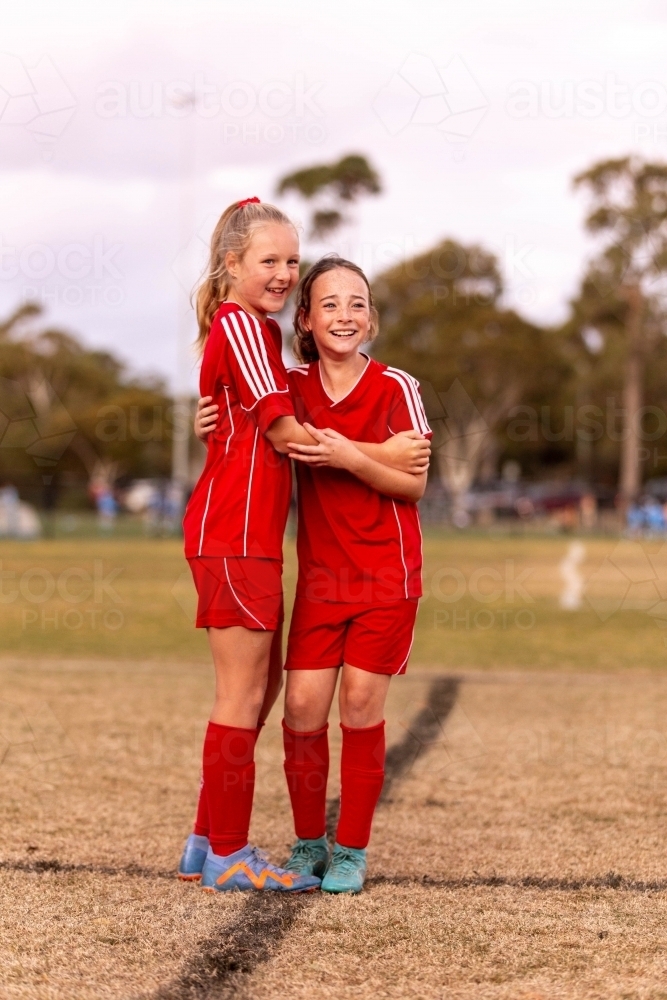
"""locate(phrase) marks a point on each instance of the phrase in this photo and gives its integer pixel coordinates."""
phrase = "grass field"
(519, 852)
(489, 602)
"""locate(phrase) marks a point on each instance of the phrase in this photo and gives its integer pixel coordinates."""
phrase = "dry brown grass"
(538, 787)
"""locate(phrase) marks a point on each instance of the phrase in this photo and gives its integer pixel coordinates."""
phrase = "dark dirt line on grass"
(611, 880)
(40, 867)
(223, 963)
(421, 733)
(423, 730)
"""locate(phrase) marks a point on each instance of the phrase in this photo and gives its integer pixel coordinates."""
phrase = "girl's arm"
(280, 433)
(284, 430)
(337, 452)
(406, 451)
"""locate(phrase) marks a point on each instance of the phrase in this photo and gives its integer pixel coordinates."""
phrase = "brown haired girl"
(359, 549)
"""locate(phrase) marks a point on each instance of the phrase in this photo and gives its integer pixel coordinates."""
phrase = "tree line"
(584, 400)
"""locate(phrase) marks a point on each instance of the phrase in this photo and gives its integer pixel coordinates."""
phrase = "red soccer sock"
(201, 824)
(361, 779)
(307, 769)
(229, 784)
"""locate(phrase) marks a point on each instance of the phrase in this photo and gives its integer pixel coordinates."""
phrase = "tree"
(629, 212)
(336, 185)
(441, 320)
(68, 410)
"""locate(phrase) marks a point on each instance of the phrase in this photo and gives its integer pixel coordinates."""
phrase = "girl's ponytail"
(233, 233)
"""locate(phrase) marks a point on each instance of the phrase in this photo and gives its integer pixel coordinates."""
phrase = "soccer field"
(489, 602)
(518, 852)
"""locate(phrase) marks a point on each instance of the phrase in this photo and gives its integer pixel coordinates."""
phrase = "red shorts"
(238, 591)
(374, 637)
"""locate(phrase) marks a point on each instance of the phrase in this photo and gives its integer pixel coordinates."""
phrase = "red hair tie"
(248, 201)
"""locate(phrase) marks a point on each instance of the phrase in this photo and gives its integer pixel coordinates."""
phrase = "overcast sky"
(476, 116)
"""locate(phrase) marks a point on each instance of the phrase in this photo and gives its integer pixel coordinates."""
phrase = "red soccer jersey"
(240, 504)
(356, 544)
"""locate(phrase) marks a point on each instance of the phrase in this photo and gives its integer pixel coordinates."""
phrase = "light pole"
(180, 450)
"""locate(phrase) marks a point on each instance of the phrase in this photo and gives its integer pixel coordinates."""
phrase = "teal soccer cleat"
(346, 871)
(309, 857)
(248, 870)
(193, 858)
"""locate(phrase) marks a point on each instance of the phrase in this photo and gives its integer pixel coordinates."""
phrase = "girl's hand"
(407, 451)
(332, 449)
(206, 417)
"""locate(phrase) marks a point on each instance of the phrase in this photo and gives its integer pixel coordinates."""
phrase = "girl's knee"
(304, 712)
(362, 705)
(357, 709)
(298, 705)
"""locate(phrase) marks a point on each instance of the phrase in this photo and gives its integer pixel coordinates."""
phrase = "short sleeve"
(256, 369)
(406, 410)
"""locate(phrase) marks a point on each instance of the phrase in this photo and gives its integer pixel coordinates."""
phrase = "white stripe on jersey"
(400, 541)
(203, 520)
(231, 419)
(254, 334)
(252, 385)
(413, 400)
(413, 389)
(247, 506)
(262, 348)
(246, 339)
(301, 369)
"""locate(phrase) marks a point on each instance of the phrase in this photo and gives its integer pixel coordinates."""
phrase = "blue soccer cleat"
(346, 871)
(193, 858)
(309, 857)
(248, 870)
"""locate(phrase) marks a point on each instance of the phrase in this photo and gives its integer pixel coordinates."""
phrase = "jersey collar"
(335, 402)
